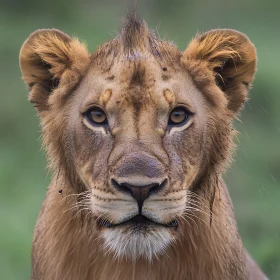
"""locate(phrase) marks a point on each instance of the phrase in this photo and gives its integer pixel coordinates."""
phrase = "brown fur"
(138, 79)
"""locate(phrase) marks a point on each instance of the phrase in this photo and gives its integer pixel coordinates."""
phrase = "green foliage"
(254, 178)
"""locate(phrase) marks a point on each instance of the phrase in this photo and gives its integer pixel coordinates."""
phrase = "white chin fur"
(133, 244)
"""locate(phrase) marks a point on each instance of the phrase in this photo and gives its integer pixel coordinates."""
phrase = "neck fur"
(203, 249)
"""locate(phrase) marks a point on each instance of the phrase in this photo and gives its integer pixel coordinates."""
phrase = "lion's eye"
(96, 116)
(178, 116)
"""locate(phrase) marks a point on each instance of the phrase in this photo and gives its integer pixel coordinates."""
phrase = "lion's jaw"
(129, 235)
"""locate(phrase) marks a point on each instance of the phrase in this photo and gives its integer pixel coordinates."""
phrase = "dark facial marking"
(165, 77)
(138, 76)
(110, 78)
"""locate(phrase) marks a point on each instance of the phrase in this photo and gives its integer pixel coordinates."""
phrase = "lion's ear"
(231, 58)
(50, 59)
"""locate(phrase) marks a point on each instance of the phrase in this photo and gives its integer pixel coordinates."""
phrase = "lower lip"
(138, 220)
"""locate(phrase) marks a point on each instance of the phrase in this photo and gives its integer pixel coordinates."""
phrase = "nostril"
(158, 187)
(120, 187)
(115, 184)
(138, 192)
(127, 188)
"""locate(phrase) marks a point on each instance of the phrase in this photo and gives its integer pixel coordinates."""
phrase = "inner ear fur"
(50, 59)
(226, 59)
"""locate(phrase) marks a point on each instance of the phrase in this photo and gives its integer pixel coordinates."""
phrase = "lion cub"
(138, 135)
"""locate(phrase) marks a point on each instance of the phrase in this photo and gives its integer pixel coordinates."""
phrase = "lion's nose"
(139, 192)
(139, 174)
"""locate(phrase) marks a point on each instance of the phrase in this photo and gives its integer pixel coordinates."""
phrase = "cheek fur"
(92, 150)
(184, 150)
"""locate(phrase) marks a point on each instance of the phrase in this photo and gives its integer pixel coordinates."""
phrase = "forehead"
(138, 81)
(138, 69)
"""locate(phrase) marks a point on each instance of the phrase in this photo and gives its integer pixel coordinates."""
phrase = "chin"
(137, 241)
(138, 237)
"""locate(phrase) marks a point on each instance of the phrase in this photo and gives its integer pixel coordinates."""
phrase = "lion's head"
(137, 127)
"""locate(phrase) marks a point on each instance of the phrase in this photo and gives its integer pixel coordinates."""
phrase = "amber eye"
(96, 116)
(178, 116)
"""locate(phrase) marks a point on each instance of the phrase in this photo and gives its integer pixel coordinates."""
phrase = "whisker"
(77, 204)
(75, 195)
(198, 210)
(198, 204)
(184, 218)
(191, 210)
(195, 216)
(82, 209)
(188, 217)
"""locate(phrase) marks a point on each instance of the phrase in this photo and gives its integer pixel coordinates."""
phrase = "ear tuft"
(47, 57)
(231, 58)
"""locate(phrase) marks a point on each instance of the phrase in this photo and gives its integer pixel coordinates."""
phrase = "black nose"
(139, 193)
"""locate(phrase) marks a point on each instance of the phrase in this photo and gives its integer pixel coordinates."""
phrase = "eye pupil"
(97, 116)
(178, 116)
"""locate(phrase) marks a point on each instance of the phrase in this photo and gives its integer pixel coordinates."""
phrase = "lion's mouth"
(138, 220)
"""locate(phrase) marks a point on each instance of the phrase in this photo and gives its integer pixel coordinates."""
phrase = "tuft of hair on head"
(135, 35)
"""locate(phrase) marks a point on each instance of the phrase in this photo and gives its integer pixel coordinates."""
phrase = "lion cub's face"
(137, 139)
(137, 125)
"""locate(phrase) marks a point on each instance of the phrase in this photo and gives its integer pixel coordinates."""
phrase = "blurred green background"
(253, 180)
